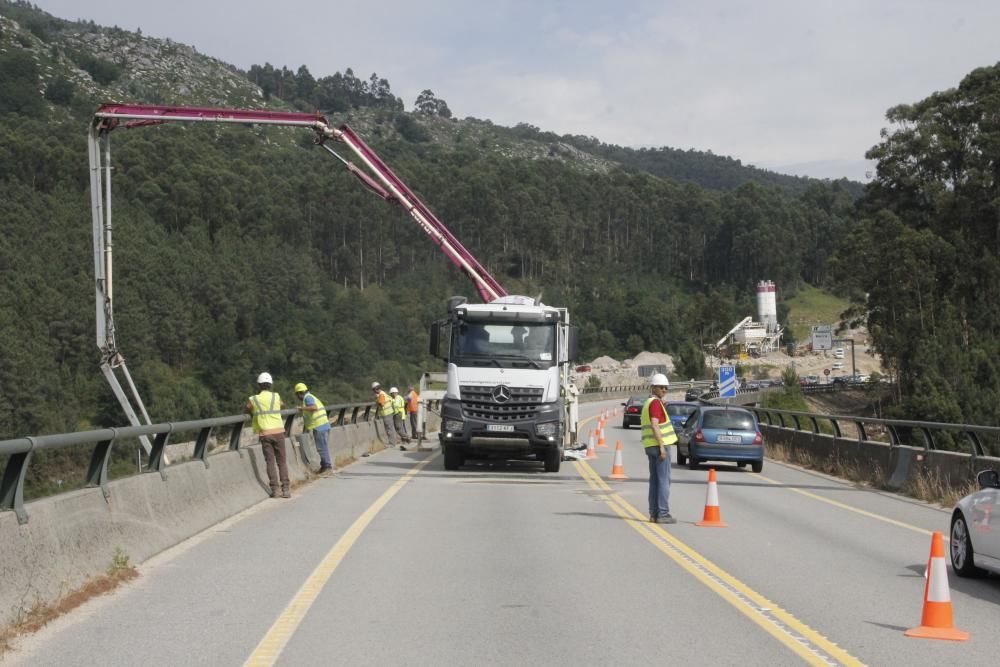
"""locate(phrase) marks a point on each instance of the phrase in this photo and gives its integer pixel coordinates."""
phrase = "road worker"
(399, 415)
(383, 412)
(412, 406)
(265, 406)
(316, 421)
(657, 436)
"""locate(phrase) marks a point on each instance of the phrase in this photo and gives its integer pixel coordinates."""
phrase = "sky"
(798, 87)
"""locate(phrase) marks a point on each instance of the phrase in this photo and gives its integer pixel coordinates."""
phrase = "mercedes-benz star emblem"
(501, 394)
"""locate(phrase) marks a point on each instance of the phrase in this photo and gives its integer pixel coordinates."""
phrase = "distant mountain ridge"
(113, 64)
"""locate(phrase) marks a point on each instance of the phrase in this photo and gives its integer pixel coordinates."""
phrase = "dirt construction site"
(613, 372)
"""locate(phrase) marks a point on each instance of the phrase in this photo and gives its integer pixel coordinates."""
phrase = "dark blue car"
(679, 411)
(721, 433)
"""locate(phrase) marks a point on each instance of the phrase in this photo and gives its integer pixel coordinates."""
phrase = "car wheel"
(624, 424)
(693, 462)
(757, 465)
(961, 548)
(681, 459)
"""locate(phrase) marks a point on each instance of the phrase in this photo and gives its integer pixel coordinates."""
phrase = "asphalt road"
(395, 560)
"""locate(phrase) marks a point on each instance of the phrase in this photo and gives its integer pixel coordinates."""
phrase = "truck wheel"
(453, 458)
(552, 460)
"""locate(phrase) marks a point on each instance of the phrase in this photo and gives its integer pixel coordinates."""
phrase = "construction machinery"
(519, 399)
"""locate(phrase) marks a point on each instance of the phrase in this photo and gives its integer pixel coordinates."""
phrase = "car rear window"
(727, 419)
(637, 399)
(680, 410)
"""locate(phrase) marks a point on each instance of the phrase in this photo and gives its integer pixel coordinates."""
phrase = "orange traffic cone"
(591, 455)
(600, 436)
(936, 622)
(618, 468)
(712, 518)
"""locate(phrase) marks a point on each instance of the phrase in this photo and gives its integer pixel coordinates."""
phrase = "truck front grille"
(480, 403)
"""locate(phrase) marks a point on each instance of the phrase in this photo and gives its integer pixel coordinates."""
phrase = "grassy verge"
(40, 614)
(927, 486)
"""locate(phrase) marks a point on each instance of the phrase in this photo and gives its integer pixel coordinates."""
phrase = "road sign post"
(727, 381)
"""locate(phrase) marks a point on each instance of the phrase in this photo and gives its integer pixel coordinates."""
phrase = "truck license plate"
(729, 438)
(504, 428)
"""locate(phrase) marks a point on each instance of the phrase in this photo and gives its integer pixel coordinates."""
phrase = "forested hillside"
(244, 249)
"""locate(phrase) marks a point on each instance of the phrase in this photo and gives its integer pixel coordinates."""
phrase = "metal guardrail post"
(368, 411)
(977, 444)
(798, 425)
(815, 424)
(201, 445)
(12, 484)
(156, 454)
(893, 435)
(97, 473)
(340, 416)
(354, 414)
(836, 428)
(235, 436)
(862, 433)
(289, 419)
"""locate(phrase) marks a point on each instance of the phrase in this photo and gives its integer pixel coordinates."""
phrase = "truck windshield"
(512, 345)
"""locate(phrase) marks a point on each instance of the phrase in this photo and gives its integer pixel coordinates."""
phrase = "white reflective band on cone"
(712, 500)
(937, 587)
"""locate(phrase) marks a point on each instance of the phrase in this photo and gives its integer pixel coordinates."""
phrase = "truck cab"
(508, 393)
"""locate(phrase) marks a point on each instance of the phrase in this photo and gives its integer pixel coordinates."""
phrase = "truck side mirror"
(435, 337)
(573, 344)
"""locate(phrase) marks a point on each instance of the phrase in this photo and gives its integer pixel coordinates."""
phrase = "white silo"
(767, 305)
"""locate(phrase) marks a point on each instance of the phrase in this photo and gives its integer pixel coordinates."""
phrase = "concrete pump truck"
(508, 394)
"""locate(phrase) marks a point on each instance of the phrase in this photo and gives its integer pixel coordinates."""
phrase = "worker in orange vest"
(412, 405)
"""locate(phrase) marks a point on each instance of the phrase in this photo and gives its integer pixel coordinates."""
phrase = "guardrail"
(20, 450)
(898, 431)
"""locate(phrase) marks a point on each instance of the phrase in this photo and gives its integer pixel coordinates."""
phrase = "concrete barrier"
(74, 536)
(886, 466)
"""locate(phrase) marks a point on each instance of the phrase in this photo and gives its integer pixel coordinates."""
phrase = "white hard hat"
(375, 384)
(264, 378)
(393, 390)
(659, 380)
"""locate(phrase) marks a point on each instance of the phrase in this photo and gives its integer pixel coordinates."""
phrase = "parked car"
(633, 410)
(583, 369)
(838, 366)
(679, 411)
(838, 353)
(692, 394)
(721, 433)
(975, 528)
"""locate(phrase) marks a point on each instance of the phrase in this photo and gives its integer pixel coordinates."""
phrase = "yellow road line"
(274, 642)
(798, 637)
(849, 508)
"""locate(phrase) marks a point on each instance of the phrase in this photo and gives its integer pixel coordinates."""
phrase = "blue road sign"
(727, 381)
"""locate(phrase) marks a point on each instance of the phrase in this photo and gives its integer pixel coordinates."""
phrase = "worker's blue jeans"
(322, 447)
(659, 482)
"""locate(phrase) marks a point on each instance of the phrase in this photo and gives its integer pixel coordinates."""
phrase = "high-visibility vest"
(267, 412)
(411, 404)
(312, 420)
(399, 405)
(666, 428)
(385, 406)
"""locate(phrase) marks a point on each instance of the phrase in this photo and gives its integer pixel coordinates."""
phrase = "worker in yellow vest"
(383, 412)
(315, 421)
(657, 436)
(399, 415)
(265, 406)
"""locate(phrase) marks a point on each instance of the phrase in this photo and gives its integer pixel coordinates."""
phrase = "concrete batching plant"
(752, 338)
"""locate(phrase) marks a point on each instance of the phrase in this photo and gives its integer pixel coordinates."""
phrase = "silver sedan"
(975, 528)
